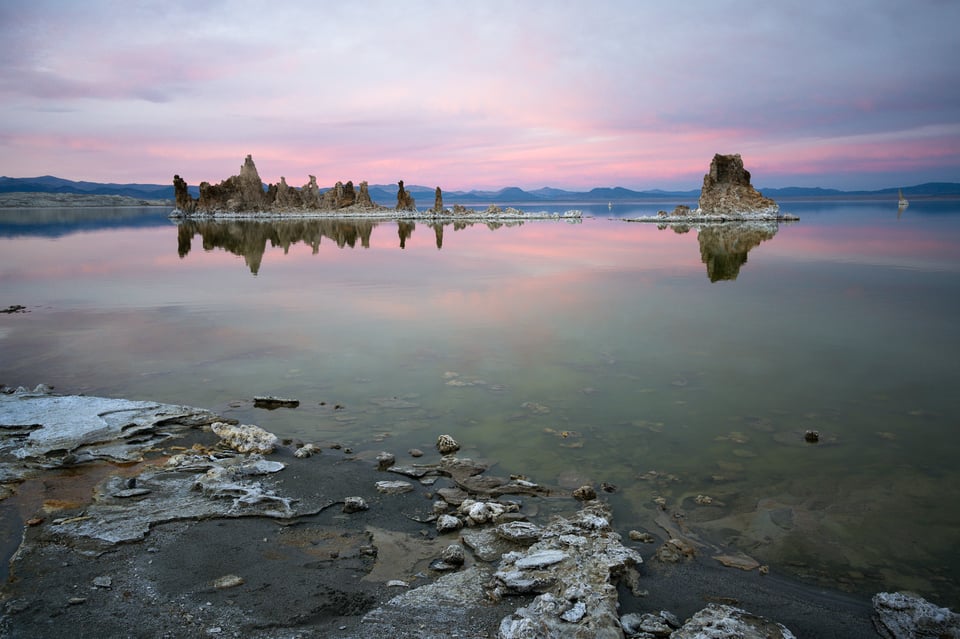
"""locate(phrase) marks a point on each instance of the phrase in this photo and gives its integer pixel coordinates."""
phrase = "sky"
(572, 94)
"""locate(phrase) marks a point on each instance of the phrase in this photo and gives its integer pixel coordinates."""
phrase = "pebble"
(227, 581)
(354, 504)
(448, 523)
(415, 452)
(102, 582)
(447, 445)
(453, 554)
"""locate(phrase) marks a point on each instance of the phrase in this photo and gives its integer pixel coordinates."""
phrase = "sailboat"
(903, 201)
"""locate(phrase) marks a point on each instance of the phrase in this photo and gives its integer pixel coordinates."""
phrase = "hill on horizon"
(387, 193)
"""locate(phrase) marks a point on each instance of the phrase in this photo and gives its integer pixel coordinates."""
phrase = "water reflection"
(724, 247)
(248, 239)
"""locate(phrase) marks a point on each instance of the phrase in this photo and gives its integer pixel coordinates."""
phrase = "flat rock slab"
(49, 430)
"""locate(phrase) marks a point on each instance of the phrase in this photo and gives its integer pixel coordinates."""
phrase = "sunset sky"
(852, 94)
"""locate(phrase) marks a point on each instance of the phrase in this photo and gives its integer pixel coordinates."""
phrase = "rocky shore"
(155, 520)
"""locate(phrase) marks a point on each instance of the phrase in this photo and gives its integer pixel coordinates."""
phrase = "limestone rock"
(447, 445)
(184, 201)
(245, 438)
(438, 201)
(251, 186)
(727, 622)
(286, 197)
(448, 523)
(405, 201)
(354, 505)
(903, 615)
(50, 430)
(575, 567)
(727, 189)
(363, 197)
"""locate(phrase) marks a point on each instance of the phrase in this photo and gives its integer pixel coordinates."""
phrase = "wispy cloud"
(485, 94)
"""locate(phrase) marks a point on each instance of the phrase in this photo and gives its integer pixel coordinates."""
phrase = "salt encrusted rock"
(354, 504)
(519, 531)
(575, 566)
(448, 523)
(481, 512)
(453, 554)
(245, 438)
(653, 625)
(52, 430)
(394, 487)
(727, 189)
(727, 622)
(904, 615)
(307, 450)
(447, 445)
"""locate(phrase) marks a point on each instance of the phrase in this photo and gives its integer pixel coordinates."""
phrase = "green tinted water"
(668, 364)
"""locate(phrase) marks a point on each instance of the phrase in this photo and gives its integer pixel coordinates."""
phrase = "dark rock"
(585, 493)
(438, 201)
(727, 189)
(184, 201)
(405, 201)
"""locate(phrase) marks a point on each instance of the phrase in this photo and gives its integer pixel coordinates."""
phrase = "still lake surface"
(665, 363)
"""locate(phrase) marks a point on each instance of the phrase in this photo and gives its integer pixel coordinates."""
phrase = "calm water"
(591, 352)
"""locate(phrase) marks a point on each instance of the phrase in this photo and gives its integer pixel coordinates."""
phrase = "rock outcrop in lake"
(727, 190)
(243, 195)
(727, 196)
(405, 201)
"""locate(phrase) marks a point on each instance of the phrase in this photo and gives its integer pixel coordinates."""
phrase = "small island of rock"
(243, 196)
(726, 196)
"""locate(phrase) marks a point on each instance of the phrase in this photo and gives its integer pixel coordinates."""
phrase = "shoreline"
(336, 571)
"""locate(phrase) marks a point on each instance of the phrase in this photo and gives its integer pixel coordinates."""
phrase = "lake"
(669, 363)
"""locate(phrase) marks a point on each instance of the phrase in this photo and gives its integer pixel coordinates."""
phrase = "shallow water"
(572, 353)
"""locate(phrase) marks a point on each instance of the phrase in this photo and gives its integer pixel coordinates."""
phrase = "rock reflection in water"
(724, 247)
(249, 238)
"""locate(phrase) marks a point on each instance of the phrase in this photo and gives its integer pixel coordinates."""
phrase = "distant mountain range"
(387, 194)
